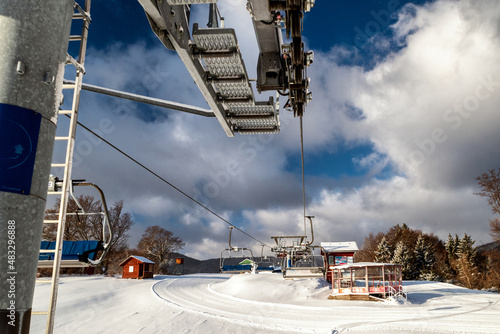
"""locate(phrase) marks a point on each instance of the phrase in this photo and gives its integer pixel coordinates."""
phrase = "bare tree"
(85, 227)
(157, 244)
(77, 227)
(121, 222)
(369, 247)
(495, 229)
(490, 188)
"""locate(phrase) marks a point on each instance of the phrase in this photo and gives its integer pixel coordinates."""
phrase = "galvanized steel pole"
(34, 37)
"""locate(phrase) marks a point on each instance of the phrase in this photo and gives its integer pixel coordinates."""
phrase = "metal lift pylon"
(79, 65)
(33, 47)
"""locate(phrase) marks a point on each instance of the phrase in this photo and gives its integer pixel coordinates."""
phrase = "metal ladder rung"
(69, 86)
(58, 165)
(75, 63)
(51, 221)
(54, 192)
(82, 14)
(74, 38)
(62, 137)
(65, 112)
(43, 282)
(40, 312)
(47, 250)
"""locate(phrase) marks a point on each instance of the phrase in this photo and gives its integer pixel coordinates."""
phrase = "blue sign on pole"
(19, 130)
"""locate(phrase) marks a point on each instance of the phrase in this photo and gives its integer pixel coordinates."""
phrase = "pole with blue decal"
(34, 37)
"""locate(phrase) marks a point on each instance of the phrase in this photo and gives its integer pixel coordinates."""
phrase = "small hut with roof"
(137, 267)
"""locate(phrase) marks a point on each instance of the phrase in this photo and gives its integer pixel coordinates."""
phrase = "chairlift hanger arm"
(107, 230)
(106, 237)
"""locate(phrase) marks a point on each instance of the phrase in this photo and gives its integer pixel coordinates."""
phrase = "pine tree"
(402, 257)
(468, 272)
(451, 247)
(383, 254)
(424, 260)
(419, 263)
(466, 249)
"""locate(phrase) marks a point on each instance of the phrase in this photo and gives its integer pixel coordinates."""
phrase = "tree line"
(424, 256)
(157, 244)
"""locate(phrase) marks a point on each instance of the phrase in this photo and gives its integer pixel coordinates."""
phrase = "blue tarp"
(72, 250)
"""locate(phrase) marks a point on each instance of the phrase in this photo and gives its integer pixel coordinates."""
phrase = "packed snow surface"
(261, 303)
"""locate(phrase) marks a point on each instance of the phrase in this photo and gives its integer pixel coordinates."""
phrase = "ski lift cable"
(171, 185)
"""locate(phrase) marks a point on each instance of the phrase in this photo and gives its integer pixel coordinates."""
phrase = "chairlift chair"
(265, 264)
(300, 263)
(298, 259)
(81, 253)
(234, 268)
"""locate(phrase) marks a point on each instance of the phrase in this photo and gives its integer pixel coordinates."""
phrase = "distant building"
(337, 254)
(137, 267)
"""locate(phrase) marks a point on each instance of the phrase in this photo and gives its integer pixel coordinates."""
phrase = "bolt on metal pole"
(33, 45)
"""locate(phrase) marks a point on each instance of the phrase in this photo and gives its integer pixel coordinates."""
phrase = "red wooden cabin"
(137, 267)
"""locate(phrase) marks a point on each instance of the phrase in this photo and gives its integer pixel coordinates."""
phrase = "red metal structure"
(137, 267)
(361, 281)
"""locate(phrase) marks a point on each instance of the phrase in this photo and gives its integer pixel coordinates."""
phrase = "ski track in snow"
(456, 310)
(263, 303)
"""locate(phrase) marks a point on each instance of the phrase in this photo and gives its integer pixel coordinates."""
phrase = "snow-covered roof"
(364, 264)
(140, 258)
(342, 246)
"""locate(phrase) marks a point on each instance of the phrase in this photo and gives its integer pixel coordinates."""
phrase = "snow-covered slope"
(263, 303)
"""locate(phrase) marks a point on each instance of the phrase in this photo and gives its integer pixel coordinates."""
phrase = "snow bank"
(273, 288)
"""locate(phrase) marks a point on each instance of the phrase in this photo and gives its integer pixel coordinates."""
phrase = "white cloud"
(404, 107)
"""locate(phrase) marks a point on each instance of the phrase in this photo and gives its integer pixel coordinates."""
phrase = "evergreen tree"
(468, 273)
(466, 249)
(402, 257)
(383, 254)
(424, 259)
(451, 247)
(419, 263)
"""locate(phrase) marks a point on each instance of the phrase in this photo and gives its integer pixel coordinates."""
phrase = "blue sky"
(403, 119)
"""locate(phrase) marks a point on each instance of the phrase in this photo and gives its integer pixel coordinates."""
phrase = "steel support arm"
(148, 100)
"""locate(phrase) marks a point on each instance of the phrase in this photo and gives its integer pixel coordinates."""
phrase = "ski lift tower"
(33, 45)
